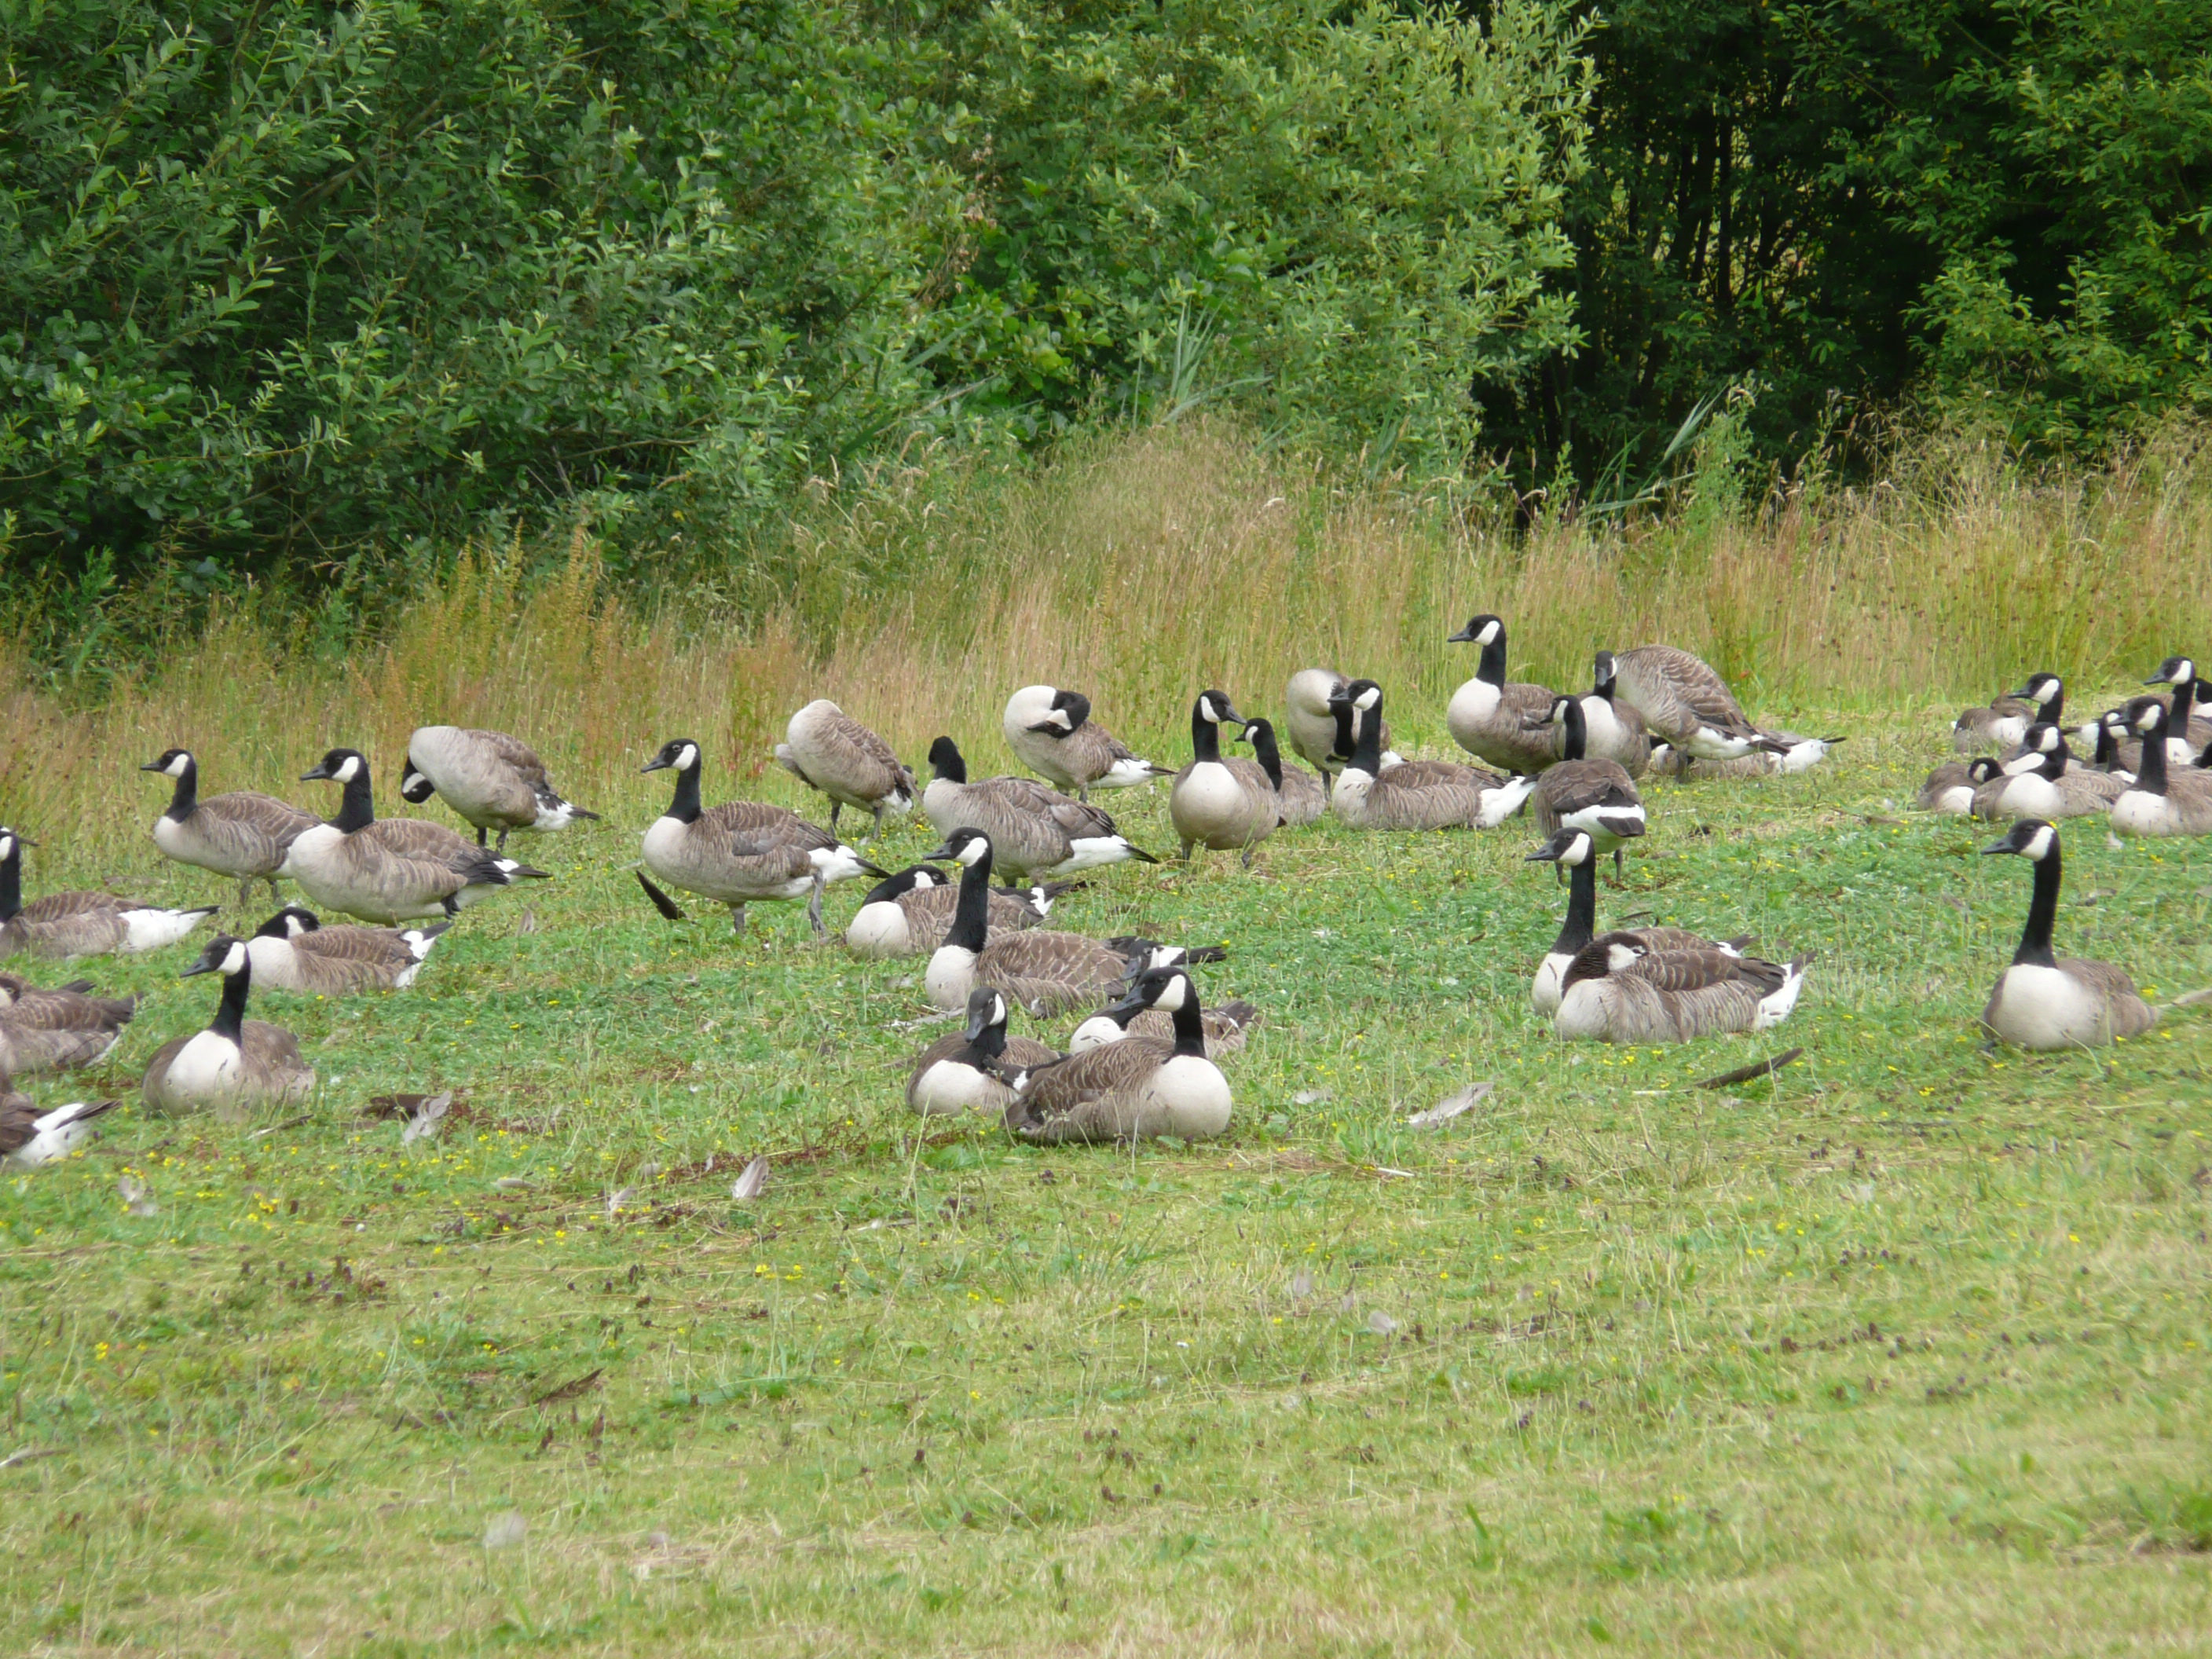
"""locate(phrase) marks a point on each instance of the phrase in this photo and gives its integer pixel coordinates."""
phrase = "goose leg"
(814, 906)
(737, 918)
(1083, 794)
(501, 846)
(876, 834)
(1250, 848)
(1619, 877)
(480, 835)
(1186, 852)
(835, 807)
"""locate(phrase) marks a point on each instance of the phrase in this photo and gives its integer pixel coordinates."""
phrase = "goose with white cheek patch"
(1595, 796)
(64, 925)
(390, 870)
(1613, 992)
(1033, 830)
(2162, 800)
(1950, 788)
(826, 749)
(955, 1073)
(30, 1137)
(1492, 718)
(243, 834)
(1416, 795)
(2048, 1001)
(1613, 728)
(1225, 1023)
(744, 851)
(1309, 719)
(2188, 734)
(294, 951)
(1576, 851)
(908, 914)
(2040, 782)
(1226, 805)
(236, 1063)
(1300, 797)
(494, 782)
(1051, 732)
(1135, 1090)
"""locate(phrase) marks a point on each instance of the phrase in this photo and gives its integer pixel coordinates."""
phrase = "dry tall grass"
(1148, 567)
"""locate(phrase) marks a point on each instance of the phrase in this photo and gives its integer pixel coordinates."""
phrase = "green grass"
(1900, 1351)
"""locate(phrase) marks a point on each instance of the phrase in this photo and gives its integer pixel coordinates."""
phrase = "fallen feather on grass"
(137, 1196)
(1449, 1106)
(1310, 1097)
(505, 1529)
(426, 1119)
(1756, 1069)
(1381, 1323)
(748, 1186)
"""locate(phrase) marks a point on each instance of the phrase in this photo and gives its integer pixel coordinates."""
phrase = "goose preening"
(1613, 992)
(1227, 805)
(908, 914)
(1787, 752)
(1595, 796)
(294, 951)
(62, 925)
(826, 749)
(1137, 1090)
(30, 1137)
(1685, 703)
(742, 851)
(2188, 735)
(1309, 719)
(494, 782)
(1051, 732)
(243, 834)
(1492, 718)
(1225, 1024)
(1949, 790)
(236, 1062)
(1415, 794)
(1576, 850)
(390, 870)
(2164, 799)
(955, 1073)
(2047, 1001)
(60, 1030)
(2041, 783)
(1615, 731)
(1300, 797)
(1033, 830)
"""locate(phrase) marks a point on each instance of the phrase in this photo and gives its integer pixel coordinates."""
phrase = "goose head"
(2174, 671)
(2042, 687)
(290, 922)
(170, 762)
(1167, 989)
(944, 760)
(986, 1007)
(681, 753)
(965, 848)
(1215, 709)
(1569, 847)
(414, 787)
(1484, 629)
(2031, 838)
(338, 766)
(224, 955)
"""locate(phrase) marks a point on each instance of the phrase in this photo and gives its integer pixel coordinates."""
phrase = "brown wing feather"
(2124, 1007)
(762, 825)
(1050, 972)
(380, 946)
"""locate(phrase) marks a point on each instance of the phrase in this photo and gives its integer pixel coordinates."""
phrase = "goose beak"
(1547, 853)
(2000, 847)
(151, 766)
(1461, 638)
(319, 772)
(202, 966)
(941, 853)
(656, 764)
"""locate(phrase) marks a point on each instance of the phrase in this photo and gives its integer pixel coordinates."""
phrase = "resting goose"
(1225, 1024)
(1685, 703)
(1949, 790)
(1613, 992)
(2164, 799)
(1492, 718)
(2041, 784)
(955, 1073)
(1300, 797)
(390, 870)
(1596, 796)
(236, 1062)
(63, 1005)
(1052, 733)
(1309, 719)
(1577, 851)
(1416, 795)
(1787, 752)
(2047, 1001)
(826, 749)
(77, 924)
(907, 915)
(2188, 735)
(294, 951)
(2113, 748)
(494, 782)
(1227, 805)
(1137, 1090)
(58, 1031)
(2000, 724)
(742, 851)
(29, 1137)
(1033, 830)
(242, 835)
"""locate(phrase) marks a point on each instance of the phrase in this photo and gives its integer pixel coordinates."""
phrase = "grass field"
(1903, 1349)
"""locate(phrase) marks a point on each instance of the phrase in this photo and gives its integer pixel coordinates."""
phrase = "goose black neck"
(971, 915)
(1602, 687)
(1581, 925)
(2052, 708)
(230, 1013)
(2108, 749)
(949, 764)
(2042, 913)
(356, 806)
(988, 1043)
(1367, 748)
(1577, 740)
(684, 806)
(1204, 735)
(1340, 747)
(1491, 671)
(1269, 757)
(11, 881)
(1189, 1025)
(2151, 776)
(187, 794)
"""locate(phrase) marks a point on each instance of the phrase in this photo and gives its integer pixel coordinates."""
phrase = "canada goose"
(954, 1075)
(1225, 1024)
(1685, 703)
(29, 1137)
(1576, 849)
(1052, 733)
(1999, 724)
(1033, 830)
(1615, 731)
(2163, 800)
(1136, 1090)
(2114, 746)
(389, 870)
(494, 782)
(242, 834)
(1594, 795)
(2188, 734)
(60, 1030)
(1300, 797)
(827, 749)
(78, 924)
(1043, 971)
(1786, 752)
(744, 850)
(1613, 992)
(1417, 794)
(71, 1005)
(2047, 1001)
(2041, 784)
(1492, 718)
(1949, 790)
(236, 1062)
(907, 915)
(1229, 806)
(294, 951)
(1309, 718)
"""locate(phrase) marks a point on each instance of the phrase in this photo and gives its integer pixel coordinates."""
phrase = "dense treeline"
(289, 288)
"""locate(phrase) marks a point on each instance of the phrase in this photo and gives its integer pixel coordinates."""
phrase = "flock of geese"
(1145, 1059)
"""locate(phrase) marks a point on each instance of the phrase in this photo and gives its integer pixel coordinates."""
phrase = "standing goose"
(955, 1073)
(1492, 718)
(1595, 796)
(741, 851)
(2042, 784)
(2162, 800)
(57, 1030)
(1416, 795)
(2188, 734)
(1137, 1090)
(1950, 789)
(294, 951)
(29, 1137)
(78, 924)
(2047, 1001)
(1033, 830)
(390, 870)
(827, 749)
(1577, 850)
(908, 914)
(1052, 733)
(1685, 703)
(1615, 992)
(1228, 805)
(236, 1062)
(494, 782)
(1300, 797)
(242, 835)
